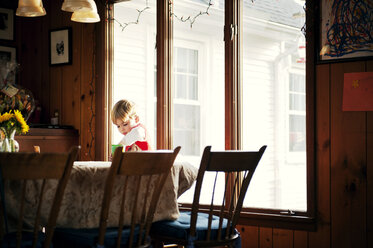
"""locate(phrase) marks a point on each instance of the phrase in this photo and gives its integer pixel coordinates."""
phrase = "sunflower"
(13, 121)
(21, 121)
(5, 117)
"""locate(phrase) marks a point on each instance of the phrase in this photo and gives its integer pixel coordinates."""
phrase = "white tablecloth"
(82, 200)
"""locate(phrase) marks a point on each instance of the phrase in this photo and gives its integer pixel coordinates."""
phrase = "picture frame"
(343, 35)
(60, 46)
(8, 54)
(6, 24)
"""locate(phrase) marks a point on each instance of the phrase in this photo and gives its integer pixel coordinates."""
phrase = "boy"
(124, 116)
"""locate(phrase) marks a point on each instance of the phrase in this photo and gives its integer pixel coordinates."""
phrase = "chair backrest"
(24, 167)
(238, 168)
(147, 172)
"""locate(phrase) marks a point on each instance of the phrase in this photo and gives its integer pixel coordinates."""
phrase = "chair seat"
(9, 240)
(87, 238)
(180, 228)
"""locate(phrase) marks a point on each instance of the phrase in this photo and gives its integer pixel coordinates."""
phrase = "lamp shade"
(30, 8)
(74, 5)
(86, 15)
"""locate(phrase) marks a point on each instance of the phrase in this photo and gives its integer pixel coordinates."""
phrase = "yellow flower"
(21, 120)
(25, 128)
(5, 117)
(18, 115)
(10, 121)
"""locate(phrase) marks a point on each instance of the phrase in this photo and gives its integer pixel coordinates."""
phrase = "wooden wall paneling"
(348, 155)
(300, 239)
(45, 82)
(32, 51)
(55, 96)
(249, 236)
(30, 55)
(265, 237)
(282, 238)
(71, 76)
(56, 71)
(369, 170)
(321, 238)
(88, 81)
(17, 36)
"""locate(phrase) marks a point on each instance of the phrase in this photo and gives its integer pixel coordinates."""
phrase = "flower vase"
(8, 143)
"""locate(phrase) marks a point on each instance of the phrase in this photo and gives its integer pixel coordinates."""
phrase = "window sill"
(265, 218)
(294, 222)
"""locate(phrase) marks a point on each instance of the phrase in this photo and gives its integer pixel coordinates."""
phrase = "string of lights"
(191, 19)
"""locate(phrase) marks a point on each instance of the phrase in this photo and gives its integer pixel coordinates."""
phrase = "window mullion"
(164, 75)
(232, 74)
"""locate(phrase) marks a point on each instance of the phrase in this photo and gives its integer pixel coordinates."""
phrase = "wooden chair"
(25, 167)
(213, 225)
(147, 170)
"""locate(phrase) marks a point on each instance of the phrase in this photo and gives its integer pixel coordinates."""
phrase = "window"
(273, 109)
(198, 65)
(198, 80)
(216, 96)
(134, 56)
(187, 130)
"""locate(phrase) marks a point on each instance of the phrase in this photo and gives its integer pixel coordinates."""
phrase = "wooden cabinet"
(49, 139)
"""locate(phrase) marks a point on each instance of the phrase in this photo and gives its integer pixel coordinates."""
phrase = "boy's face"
(124, 126)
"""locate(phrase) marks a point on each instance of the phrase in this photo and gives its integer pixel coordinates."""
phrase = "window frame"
(233, 102)
(274, 217)
(180, 43)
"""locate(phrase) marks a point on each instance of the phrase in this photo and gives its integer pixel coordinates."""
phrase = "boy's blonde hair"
(123, 110)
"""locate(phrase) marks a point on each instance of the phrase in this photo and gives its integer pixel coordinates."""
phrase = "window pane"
(193, 87)
(193, 61)
(199, 58)
(274, 102)
(134, 56)
(297, 133)
(181, 86)
(182, 60)
(297, 102)
(187, 130)
(297, 83)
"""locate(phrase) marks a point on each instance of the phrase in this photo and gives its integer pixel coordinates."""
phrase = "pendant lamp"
(86, 15)
(73, 5)
(30, 8)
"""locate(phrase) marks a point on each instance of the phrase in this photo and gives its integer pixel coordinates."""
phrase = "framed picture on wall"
(60, 46)
(6, 24)
(345, 30)
(8, 54)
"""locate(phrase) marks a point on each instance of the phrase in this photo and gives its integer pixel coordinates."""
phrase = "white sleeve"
(136, 134)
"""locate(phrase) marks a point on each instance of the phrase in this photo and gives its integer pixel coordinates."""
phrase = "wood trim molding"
(164, 75)
(103, 76)
(311, 106)
(232, 74)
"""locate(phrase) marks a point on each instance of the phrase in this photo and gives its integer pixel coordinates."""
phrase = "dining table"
(81, 204)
